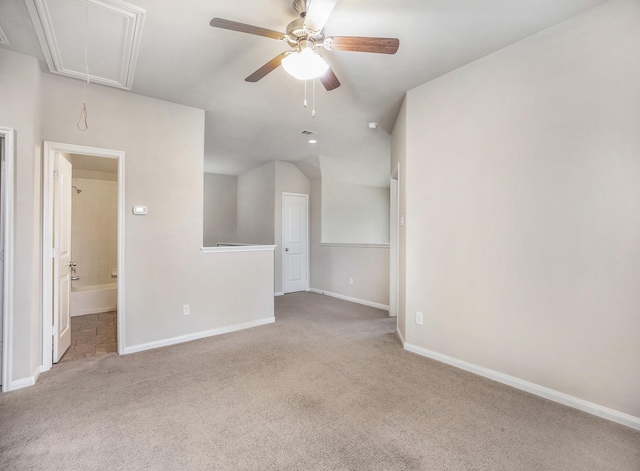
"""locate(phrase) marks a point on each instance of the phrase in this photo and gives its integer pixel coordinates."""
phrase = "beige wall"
(354, 213)
(20, 110)
(331, 267)
(164, 166)
(256, 205)
(399, 161)
(220, 209)
(522, 191)
(289, 179)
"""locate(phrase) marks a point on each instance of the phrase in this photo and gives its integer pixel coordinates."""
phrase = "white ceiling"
(184, 60)
(94, 164)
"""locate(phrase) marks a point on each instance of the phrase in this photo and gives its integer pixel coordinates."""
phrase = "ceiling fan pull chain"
(313, 112)
(305, 93)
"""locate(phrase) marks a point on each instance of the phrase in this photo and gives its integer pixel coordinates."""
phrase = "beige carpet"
(327, 387)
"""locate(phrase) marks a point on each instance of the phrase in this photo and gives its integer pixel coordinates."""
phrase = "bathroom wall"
(94, 230)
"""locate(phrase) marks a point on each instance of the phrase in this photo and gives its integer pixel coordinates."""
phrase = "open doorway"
(83, 237)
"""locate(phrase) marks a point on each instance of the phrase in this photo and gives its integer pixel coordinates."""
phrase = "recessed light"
(372, 125)
(313, 141)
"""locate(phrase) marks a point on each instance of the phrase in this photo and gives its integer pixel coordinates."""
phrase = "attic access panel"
(113, 30)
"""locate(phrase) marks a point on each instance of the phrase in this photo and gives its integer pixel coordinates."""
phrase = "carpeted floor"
(327, 387)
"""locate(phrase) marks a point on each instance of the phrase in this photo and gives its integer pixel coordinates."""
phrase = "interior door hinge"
(54, 253)
(55, 174)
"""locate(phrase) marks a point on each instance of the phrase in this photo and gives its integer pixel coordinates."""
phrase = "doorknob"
(286, 250)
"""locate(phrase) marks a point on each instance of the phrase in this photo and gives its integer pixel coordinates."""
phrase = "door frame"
(50, 148)
(284, 271)
(8, 197)
(394, 245)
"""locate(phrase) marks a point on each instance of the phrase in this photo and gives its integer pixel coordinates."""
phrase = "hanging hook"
(83, 120)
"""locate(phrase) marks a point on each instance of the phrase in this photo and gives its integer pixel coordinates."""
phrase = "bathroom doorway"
(84, 235)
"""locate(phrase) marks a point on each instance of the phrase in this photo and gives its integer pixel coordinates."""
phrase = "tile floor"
(92, 335)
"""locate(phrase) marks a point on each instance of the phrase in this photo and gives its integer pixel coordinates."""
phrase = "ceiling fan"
(304, 36)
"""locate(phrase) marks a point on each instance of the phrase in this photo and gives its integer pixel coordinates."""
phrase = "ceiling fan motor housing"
(298, 35)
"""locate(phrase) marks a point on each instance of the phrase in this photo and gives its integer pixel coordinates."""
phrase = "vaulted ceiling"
(184, 60)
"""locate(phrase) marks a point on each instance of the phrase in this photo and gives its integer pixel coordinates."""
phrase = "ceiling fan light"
(305, 65)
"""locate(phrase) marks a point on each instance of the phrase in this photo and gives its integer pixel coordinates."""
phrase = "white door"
(295, 242)
(2, 223)
(62, 261)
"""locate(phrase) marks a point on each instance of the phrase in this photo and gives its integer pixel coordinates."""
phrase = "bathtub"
(94, 299)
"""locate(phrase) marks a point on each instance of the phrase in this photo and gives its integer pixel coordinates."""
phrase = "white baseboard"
(552, 395)
(25, 382)
(384, 307)
(279, 293)
(400, 337)
(197, 335)
(99, 310)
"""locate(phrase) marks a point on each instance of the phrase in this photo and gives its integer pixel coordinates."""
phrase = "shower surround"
(94, 231)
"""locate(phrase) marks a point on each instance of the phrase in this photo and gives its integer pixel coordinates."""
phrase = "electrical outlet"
(419, 317)
(186, 310)
(351, 281)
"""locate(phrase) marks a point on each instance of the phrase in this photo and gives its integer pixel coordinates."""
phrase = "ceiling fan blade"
(329, 80)
(270, 66)
(358, 44)
(318, 14)
(245, 28)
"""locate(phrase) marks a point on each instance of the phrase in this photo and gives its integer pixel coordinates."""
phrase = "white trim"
(384, 307)
(8, 196)
(552, 395)
(131, 14)
(95, 310)
(279, 293)
(24, 382)
(357, 246)
(282, 260)
(239, 248)
(198, 335)
(400, 336)
(47, 248)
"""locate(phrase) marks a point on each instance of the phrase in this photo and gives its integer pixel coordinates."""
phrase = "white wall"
(164, 166)
(220, 209)
(94, 231)
(331, 267)
(522, 190)
(256, 205)
(20, 109)
(289, 179)
(354, 213)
